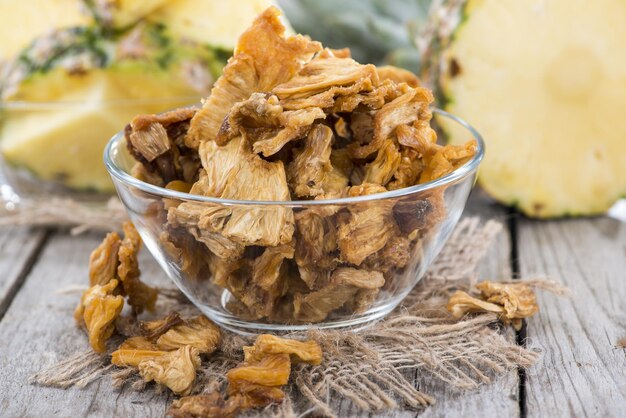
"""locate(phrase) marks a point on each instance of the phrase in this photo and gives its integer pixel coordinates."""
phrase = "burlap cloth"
(369, 366)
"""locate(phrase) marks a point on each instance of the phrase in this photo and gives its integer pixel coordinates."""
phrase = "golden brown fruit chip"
(367, 227)
(202, 406)
(140, 295)
(518, 299)
(131, 354)
(151, 141)
(255, 396)
(98, 310)
(299, 351)
(175, 369)
(154, 329)
(179, 186)
(198, 332)
(398, 75)
(271, 370)
(263, 59)
(103, 260)
(461, 303)
(446, 160)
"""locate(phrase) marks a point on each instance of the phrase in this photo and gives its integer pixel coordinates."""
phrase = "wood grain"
(19, 248)
(38, 331)
(582, 372)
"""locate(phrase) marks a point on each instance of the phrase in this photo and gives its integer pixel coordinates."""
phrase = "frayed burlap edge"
(368, 367)
(64, 213)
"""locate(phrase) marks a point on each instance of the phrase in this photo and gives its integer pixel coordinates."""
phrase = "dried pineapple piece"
(263, 59)
(271, 370)
(255, 396)
(175, 369)
(97, 311)
(254, 383)
(214, 404)
(198, 332)
(103, 260)
(518, 299)
(511, 301)
(311, 164)
(140, 295)
(346, 284)
(133, 356)
(154, 329)
(299, 351)
(201, 406)
(384, 167)
(446, 160)
(461, 303)
(409, 107)
(367, 227)
(117, 259)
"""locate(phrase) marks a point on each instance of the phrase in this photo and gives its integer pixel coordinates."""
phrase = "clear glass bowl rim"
(460, 173)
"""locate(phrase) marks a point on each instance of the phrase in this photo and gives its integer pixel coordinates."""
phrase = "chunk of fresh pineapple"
(22, 21)
(121, 13)
(78, 89)
(543, 81)
(215, 22)
(63, 141)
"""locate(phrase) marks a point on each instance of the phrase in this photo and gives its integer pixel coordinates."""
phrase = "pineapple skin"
(555, 139)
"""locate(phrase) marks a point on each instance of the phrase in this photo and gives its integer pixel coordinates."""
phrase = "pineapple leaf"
(376, 31)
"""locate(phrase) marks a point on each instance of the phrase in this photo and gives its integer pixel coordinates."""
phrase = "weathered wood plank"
(38, 331)
(582, 372)
(500, 399)
(18, 250)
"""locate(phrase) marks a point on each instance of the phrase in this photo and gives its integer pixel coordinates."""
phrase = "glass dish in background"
(426, 214)
(66, 127)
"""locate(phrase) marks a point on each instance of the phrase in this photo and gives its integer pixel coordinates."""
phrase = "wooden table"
(582, 371)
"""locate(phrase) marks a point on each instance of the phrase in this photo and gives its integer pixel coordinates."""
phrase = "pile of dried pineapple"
(290, 120)
(169, 351)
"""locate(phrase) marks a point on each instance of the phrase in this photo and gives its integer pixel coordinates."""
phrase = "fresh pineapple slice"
(63, 141)
(74, 90)
(543, 81)
(22, 21)
(121, 13)
(215, 22)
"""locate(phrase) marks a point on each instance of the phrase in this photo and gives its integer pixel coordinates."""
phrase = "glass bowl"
(55, 148)
(353, 261)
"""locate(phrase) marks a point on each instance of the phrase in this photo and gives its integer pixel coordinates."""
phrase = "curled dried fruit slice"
(512, 301)
(198, 332)
(461, 303)
(256, 396)
(175, 369)
(133, 356)
(154, 329)
(140, 295)
(299, 351)
(271, 370)
(97, 311)
(518, 299)
(446, 160)
(367, 227)
(103, 260)
(201, 406)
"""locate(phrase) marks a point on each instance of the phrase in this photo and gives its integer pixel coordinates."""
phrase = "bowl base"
(239, 326)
